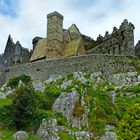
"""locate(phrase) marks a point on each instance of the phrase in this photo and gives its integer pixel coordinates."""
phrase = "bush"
(24, 105)
(13, 82)
(135, 89)
(129, 127)
(6, 118)
(52, 92)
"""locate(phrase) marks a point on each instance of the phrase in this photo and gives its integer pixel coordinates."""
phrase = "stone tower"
(128, 35)
(54, 28)
(8, 52)
(17, 56)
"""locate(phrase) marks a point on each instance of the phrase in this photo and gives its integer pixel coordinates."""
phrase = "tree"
(24, 106)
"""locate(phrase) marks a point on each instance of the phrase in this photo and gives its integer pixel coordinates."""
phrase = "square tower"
(55, 27)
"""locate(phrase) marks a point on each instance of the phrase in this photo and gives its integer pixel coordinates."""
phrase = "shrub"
(6, 118)
(135, 89)
(13, 82)
(129, 127)
(24, 106)
(52, 92)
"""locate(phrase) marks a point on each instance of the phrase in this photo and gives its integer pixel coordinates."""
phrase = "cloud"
(92, 18)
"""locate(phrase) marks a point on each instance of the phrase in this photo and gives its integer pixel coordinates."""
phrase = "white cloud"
(91, 19)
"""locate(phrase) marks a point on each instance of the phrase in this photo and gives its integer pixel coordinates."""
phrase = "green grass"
(65, 136)
(9, 135)
(4, 102)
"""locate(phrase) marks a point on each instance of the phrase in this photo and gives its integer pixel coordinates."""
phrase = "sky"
(26, 19)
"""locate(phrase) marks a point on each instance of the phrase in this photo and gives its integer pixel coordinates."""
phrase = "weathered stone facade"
(119, 42)
(137, 49)
(14, 54)
(59, 42)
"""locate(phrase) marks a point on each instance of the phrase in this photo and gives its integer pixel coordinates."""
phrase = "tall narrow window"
(119, 50)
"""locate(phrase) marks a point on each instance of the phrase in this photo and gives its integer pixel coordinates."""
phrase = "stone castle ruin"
(59, 42)
(61, 45)
(14, 54)
(119, 42)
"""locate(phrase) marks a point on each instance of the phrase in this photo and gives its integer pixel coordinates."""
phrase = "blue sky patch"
(7, 7)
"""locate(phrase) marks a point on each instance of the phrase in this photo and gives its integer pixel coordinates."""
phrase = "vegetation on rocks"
(106, 103)
(13, 82)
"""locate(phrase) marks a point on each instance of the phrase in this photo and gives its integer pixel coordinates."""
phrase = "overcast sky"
(25, 19)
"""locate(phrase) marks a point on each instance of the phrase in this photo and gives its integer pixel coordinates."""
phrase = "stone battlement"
(119, 42)
(55, 13)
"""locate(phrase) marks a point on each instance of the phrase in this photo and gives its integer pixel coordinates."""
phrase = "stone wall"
(137, 49)
(2, 76)
(42, 70)
(119, 42)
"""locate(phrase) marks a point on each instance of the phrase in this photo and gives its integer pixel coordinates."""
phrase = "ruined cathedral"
(62, 43)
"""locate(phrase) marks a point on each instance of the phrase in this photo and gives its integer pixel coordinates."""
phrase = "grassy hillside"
(27, 107)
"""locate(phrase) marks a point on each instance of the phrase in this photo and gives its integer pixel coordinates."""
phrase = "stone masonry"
(119, 42)
(14, 54)
(67, 50)
(41, 70)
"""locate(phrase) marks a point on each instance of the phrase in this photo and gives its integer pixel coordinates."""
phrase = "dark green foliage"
(135, 61)
(29, 108)
(111, 87)
(135, 89)
(129, 127)
(6, 118)
(125, 101)
(52, 92)
(13, 82)
(48, 114)
(24, 106)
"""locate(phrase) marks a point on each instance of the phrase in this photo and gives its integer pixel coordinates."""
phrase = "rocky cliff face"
(90, 103)
(77, 84)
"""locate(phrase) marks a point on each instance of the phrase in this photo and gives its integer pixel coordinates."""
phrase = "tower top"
(55, 13)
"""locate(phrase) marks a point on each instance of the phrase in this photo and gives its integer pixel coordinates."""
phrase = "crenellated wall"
(119, 42)
(42, 70)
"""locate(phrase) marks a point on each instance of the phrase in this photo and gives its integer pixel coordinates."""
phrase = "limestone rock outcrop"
(21, 135)
(48, 130)
(65, 104)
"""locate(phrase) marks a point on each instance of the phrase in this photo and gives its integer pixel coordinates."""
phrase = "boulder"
(20, 135)
(65, 104)
(38, 85)
(109, 136)
(48, 130)
(124, 79)
(53, 78)
(79, 76)
(65, 84)
(2, 95)
(109, 133)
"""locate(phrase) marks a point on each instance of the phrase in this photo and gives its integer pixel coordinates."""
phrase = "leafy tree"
(129, 127)
(24, 106)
